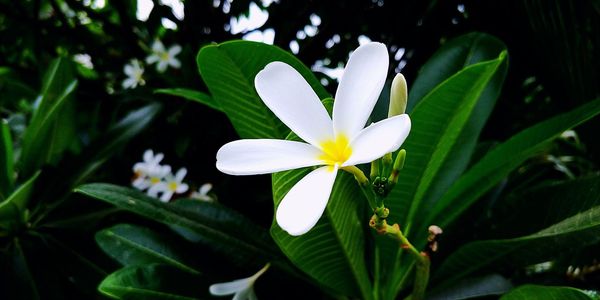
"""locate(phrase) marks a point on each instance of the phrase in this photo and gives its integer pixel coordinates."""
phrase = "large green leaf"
(438, 121)
(220, 228)
(437, 124)
(135, 245)
(228, 69)
(152, 281)
(192, 95)
(7, 180)
(333, 251)
(473, 288)
(539, 292)
(453, 56)
(47, 135)
(581, 229)
(504, 158)
(542, 205)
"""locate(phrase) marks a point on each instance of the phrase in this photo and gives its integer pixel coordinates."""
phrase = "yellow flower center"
(173, 186)
(164, 56)
(154, 180)
(336, 151)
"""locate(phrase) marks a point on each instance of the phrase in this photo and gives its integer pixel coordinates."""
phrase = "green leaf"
(332, 252)
(228, 69)
(193, 95)
(20, 283)
(581, 229)
(539, 292)
(7, 178)
(475, 287)
(43, 142)
(13, 208)
(438, 124)
(542, 205)
(113, 140)
(135, 245)
(152, 282)
(504, 158)
(453, 56)
(220, 228)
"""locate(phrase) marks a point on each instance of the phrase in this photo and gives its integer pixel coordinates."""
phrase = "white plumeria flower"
(202, 193)
(171, 185)
(241, 289)
(134, 72)
(334, 143)
(164, 58)
(149, 172)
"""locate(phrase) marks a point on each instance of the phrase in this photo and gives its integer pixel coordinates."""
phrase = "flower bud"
(398, 96)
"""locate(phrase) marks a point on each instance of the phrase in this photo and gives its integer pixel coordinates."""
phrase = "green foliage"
(228, 69)
(152, 282)
(504, 158)
(7, 176)
(192, 95)
(46, 138)
(538, 292)
(135, 245)
(215, 226)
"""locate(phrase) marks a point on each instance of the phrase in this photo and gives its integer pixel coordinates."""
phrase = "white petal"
(293, 101)
(128, 70)
(175, 63)
(129, 83)
(205, 188)
(182, 188)
(378, 139)
(166, 196)
(304, 204)
(152, 58)
(359, 88)
(149, 155)
(263, 156)
(140, 183)
(180, 174)
(174, 50)
(158, 46)
(228, 288)
(162, 65)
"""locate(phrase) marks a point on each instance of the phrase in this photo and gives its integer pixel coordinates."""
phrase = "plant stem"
(379, 223)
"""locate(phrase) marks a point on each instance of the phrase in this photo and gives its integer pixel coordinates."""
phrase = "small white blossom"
(171, 185)
(134, 72)
(149, 172)
(164, 58)
(202, 193)
(241, 289)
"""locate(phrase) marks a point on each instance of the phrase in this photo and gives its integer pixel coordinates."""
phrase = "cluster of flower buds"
(579, 273)
(432, 239)
(158, 181)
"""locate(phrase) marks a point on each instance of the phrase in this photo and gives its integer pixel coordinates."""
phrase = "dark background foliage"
(553, 67)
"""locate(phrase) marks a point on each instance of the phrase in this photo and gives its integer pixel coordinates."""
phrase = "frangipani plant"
(433, 180)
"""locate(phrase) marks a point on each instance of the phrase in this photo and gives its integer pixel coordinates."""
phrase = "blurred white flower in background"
(134, 72)
(202, 193)
(171, 184)
(163, 57)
